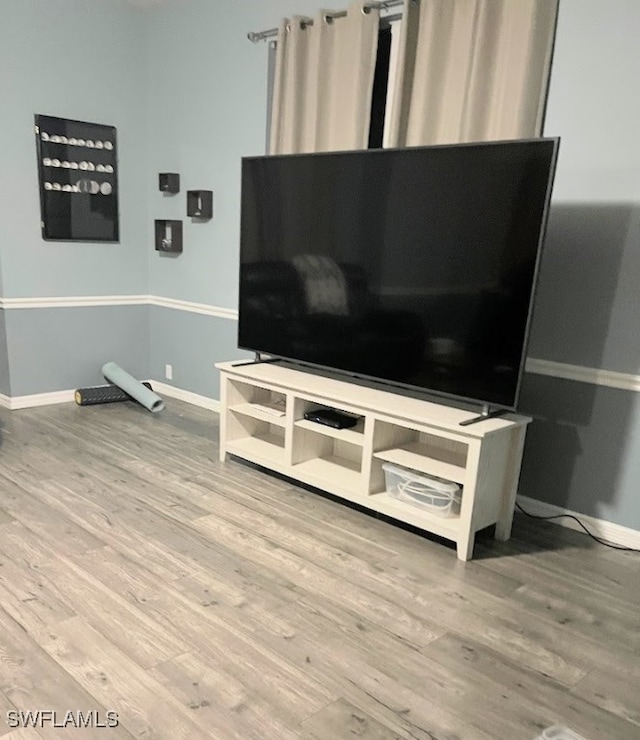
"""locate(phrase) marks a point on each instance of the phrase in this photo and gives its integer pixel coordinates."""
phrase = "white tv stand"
(262, 420)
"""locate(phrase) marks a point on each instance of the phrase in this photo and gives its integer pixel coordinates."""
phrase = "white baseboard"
(39, 399)
(614, 533)
(195, 399)
(49, 399)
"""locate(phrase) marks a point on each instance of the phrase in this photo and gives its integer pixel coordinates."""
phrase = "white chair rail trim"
(550, 368)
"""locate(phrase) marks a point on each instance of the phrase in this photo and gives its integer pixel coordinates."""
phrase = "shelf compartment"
(448, 527)
(444, 457)
(310, 445)
(417, 457)
(262, 439)
(354, 435)
(260, 411)
(334, 470)
(267, 447)
(244, 394)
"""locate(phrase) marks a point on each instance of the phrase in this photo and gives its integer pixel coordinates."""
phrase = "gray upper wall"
(207, 108)
(83, 60)
(589, 293)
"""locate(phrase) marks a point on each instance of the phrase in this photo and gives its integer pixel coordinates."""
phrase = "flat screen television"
(411, 267)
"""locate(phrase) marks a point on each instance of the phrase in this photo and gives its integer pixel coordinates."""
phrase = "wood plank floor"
(197, 599)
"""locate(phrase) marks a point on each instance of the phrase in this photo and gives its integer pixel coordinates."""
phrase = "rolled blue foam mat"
(145, 397)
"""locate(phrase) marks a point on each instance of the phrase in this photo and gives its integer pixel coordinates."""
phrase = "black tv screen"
(413, 267)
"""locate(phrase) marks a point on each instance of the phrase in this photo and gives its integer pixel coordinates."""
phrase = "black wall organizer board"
(78, 176)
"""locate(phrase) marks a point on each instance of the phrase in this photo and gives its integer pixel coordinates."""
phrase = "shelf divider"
(334, 470)
(414, 457)
(255, 412)
(354, 435)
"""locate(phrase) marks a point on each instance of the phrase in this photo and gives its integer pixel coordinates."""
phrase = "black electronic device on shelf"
(332, 418)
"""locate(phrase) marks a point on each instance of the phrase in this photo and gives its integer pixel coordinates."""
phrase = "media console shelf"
(262, 421)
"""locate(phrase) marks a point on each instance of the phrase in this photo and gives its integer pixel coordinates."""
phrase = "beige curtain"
(472, 70)
(324, 82)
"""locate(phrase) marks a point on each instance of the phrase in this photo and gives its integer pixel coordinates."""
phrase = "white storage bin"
(559, 733)
(433, 494)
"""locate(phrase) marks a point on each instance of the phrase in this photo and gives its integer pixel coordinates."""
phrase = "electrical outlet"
(168, 372)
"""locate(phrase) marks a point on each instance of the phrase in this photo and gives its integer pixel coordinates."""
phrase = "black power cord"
(575, 519)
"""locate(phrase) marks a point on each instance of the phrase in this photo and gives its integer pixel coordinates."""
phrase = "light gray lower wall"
(81, 61)
(583, 448)
(192, 344)
(5, 385)
(53, 349)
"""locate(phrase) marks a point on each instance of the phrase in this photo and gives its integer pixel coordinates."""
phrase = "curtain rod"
(255, 36)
